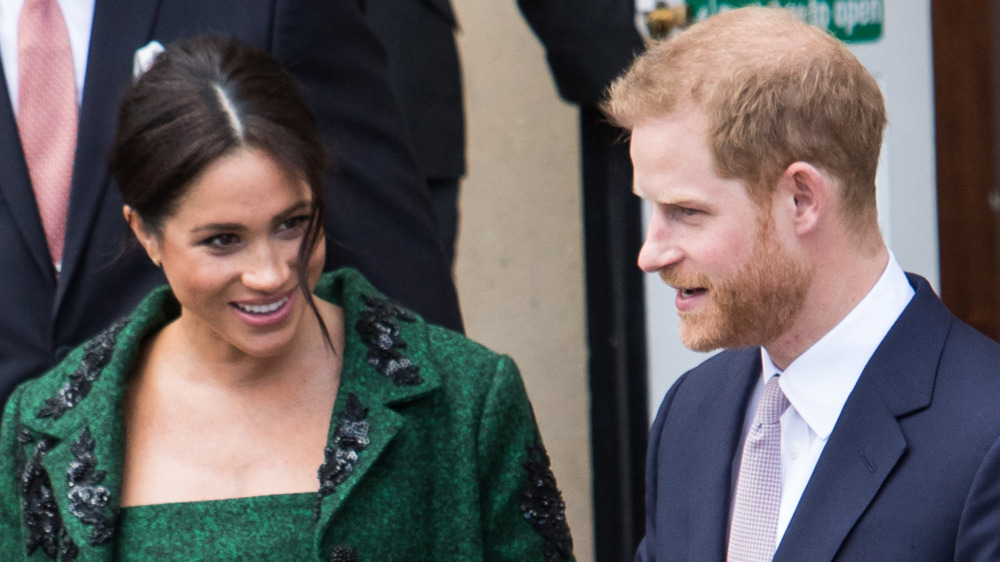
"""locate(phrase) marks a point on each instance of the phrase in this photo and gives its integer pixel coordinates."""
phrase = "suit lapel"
(15, 185)
(863, 449)
(120, 27)
(84, 443)
(867, 442)
(708, 451)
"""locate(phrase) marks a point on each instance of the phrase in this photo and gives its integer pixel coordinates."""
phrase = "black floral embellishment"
(543, 505)
(41, 514)
(96, 355)
(343, 553)
(380, 332)
(24, 438)
(349, 438)
(87, 498)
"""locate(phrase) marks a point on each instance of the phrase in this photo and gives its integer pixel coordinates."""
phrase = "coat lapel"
(83, 462)
(381, 336)
(81, 423)
(15, 185)
(867, 442)
(86, 455)
(120, 28)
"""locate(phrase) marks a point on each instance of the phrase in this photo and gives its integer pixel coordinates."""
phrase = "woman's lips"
(267, 312)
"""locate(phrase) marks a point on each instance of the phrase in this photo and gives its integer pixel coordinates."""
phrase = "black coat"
(588, 43)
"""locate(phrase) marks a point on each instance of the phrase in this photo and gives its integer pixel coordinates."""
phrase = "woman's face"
(230, 251)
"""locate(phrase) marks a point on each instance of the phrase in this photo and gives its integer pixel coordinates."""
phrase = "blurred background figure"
(529, 282)
(588, 42)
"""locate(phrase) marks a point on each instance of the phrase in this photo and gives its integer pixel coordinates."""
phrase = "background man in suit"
(588, 44)
(852, 417)
(380, 215)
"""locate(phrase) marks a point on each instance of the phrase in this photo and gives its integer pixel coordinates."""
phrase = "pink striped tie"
(758, 490)
(47, 113)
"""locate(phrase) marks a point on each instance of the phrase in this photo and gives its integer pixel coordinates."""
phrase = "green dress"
(256, 528)
(433, 454)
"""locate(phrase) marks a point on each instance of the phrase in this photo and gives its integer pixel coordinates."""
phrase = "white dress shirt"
(79, 15)
(818, 382)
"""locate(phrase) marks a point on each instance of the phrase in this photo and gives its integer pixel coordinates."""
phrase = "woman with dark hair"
(256, 408)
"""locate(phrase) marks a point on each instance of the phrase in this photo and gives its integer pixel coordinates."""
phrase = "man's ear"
(807, 191)
(147, 237)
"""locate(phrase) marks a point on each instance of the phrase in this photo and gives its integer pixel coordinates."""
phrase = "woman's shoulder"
(64, 386)
(103, 359)
(400, 345)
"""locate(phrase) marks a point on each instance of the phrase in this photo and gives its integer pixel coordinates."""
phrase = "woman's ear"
(147, 237)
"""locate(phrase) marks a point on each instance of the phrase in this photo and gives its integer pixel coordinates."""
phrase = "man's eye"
(679, 211)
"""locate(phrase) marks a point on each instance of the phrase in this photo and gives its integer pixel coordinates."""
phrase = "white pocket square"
(144, 58)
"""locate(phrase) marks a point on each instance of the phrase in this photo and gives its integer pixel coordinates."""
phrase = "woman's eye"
(294, 223)
(221, 241)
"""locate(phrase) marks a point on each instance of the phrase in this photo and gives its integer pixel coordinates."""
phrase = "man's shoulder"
(927, 315)
(724, 377)
(723, 366)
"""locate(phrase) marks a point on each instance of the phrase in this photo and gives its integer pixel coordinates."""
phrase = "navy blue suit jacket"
(380, 216)
(911, 471)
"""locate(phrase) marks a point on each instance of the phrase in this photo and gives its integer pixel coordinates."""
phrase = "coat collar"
(80, 421)
(385, 365)
(97, 408)
(867, 441)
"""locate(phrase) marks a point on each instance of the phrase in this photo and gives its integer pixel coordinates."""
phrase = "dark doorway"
(616, 336)
(966, 37)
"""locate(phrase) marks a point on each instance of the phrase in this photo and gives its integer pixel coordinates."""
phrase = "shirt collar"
(818, 382)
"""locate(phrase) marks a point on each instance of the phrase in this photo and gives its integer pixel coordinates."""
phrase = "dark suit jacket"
(380, 222)
(588, 43)
(911, 471)
(425, 75)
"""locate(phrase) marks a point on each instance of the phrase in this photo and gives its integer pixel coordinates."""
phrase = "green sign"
(849, 20)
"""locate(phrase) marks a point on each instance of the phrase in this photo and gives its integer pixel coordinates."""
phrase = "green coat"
(433, 451)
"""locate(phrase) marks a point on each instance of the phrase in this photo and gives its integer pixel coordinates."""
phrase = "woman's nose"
(268, 270)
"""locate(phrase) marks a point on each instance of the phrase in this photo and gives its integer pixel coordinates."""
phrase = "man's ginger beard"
(754, 306)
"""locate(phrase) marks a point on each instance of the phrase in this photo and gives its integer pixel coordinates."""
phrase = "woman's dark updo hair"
(203, 99)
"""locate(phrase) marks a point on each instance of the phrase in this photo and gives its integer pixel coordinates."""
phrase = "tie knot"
(772, 403)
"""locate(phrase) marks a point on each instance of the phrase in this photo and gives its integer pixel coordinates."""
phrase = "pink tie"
(47, 113)
(758, 490)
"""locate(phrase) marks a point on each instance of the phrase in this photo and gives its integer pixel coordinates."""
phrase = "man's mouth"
(688, 293)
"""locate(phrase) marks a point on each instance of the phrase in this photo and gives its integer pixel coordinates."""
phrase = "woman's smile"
(264, 313)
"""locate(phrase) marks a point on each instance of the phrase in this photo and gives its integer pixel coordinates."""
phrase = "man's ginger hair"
(775, 91)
